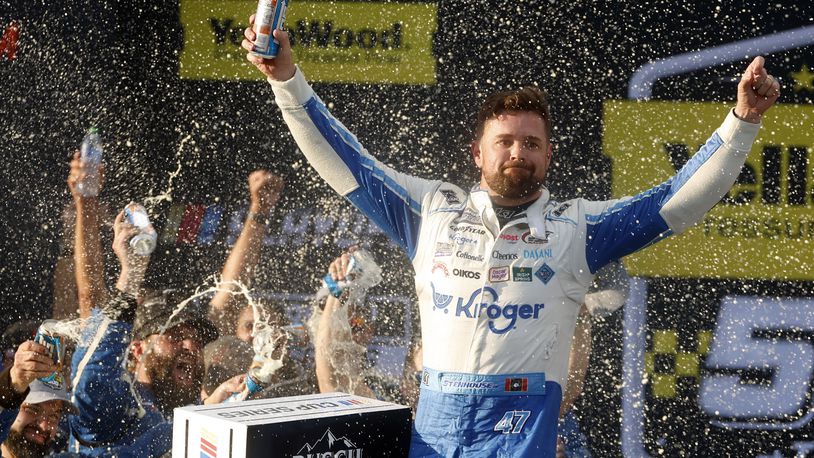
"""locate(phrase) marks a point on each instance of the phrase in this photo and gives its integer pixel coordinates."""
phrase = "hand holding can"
(53, 342)
(270, 16)
(144, 242)
(32, 361)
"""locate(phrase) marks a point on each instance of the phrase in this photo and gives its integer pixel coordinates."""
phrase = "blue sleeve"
(620, 227)
(102, 388)
(391, 199)
(7, 417)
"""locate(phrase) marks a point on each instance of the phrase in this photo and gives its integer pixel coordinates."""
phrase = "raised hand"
(757, 92)
(265, 189)
(31, 361)
(281, 68)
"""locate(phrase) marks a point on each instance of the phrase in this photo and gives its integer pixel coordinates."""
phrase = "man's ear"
(474, 148)
(550, 152)
(137, 348)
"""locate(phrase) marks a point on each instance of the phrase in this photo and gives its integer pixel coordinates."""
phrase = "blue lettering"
(494, 310)
(538, 253)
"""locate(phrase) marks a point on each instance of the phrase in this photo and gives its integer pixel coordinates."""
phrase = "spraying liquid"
(269, 344)
(166, 196)
(343, 352)
(55, 335)
(363, 273)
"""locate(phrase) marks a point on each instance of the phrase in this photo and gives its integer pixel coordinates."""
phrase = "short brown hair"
(529, 98)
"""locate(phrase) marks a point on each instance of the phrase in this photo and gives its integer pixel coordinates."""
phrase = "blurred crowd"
(132, 354)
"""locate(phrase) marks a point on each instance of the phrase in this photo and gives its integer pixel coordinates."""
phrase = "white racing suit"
(499, 305)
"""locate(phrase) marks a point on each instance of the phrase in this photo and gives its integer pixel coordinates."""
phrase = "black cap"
(157, 308)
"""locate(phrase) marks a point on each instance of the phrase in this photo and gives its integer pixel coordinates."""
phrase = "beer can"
(144, 242)
(53, 342)
(270, 17)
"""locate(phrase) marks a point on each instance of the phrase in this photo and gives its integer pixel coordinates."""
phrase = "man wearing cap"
(35, 427)
(31, 430)
(125, 409)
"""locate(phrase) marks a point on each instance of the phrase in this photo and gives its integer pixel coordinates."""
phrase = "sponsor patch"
(467, 229)
(507, 213)
(502, 316)
(504, 256)
(466, 274)
(443, 249)
(561, 210)
(511, 238)
(544, 273)
(451, 197)
(469, 256)
(516, 384)
(538, 253)
(463, 240)
(499, 274)
(528, 238)
(521, 273)
(469, 216)
(440, 268)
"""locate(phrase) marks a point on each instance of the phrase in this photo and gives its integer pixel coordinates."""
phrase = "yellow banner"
(763, 229)
(347, 42)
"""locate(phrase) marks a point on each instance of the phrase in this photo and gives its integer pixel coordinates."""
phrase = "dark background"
(114, 64)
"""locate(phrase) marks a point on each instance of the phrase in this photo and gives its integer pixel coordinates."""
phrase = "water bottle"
(144, 242)
(91, 156)
(363, 273)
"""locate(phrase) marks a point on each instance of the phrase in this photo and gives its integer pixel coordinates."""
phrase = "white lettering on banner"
(766, 336)
(310, 226)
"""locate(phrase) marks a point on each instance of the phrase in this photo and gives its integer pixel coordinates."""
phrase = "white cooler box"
(333, 425)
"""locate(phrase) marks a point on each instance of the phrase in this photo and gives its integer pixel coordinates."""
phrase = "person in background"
(88, 258)
(224, 358)
(30, 410)
(342, 333)
(231, 312)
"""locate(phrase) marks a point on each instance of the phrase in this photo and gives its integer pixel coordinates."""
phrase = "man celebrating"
(127, 413)
(501, 271)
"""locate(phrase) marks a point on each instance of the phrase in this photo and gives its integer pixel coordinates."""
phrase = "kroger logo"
(502, 317)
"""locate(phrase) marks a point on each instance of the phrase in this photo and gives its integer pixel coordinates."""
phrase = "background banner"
(351, 42)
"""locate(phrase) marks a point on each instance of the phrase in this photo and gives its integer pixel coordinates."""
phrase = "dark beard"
(23, 448)
(168, 393)
(513, 188)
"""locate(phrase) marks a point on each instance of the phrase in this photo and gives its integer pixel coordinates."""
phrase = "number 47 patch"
(512, 421)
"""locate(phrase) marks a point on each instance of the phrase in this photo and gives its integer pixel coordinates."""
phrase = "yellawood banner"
(349, 42)
(763, 229)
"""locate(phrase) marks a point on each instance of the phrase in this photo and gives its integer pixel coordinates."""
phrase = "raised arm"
(103, 389)
(88, 259)
(264, 190)
(620, 227)
(338, 359)
(391, 199)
